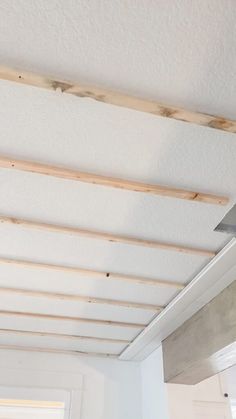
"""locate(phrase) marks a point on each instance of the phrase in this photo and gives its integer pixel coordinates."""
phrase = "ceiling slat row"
(76, 175)
(88, 272)
(80, 298)
(104, 236)
(118, 99)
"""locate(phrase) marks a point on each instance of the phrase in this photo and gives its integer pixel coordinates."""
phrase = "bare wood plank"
(56, 351)
(61, 336)
(88, 272)
(120, 99)
(80, 298)
(41, 316)
(134, 241)
(130, 185)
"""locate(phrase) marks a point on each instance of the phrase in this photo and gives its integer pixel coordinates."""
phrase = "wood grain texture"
(108, 276)
(17, 332)
(120, 99)
(133, 241)
(80, 298)
(61, 318)
(94, 179)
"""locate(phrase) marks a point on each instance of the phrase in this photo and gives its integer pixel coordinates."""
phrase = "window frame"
(39, 394)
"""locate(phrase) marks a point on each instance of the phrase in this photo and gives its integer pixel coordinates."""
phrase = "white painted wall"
(181, 398)
(99, 388)
(229, 377)
(104, 388)
(153, 387)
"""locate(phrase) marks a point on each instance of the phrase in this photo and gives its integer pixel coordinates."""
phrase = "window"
(34, 403)
(28, 409)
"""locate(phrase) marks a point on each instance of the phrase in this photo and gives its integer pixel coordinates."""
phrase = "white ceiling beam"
(108, 276)
(94, 179)
(108, 96)
(134, 241)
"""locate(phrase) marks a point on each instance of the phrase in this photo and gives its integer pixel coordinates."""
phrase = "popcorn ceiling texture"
(179, 52)
(182, 52)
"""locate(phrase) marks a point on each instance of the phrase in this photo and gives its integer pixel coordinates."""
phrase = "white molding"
(213, 278)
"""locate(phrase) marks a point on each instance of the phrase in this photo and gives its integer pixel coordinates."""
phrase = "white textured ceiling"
(176, 52)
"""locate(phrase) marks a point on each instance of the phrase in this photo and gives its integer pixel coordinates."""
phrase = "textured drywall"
(176, 52)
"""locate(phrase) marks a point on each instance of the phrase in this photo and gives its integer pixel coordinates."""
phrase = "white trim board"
(213, 278)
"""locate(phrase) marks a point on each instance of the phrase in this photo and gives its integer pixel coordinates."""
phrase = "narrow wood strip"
(80, 298)
(104, 236)
(56, 351)
(73, 319)
(88, 272)
(76, 175)
(108, 96)
(61, 336)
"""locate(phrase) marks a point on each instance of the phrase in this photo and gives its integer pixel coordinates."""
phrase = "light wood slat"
(61, 336)
(88, 272)
(56, 351)
(108, 96)
(76, 175)
(60, 318)
(104, 236)
(80, 298)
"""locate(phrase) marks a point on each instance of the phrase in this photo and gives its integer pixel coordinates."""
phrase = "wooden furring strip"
(108, 276)
(80, 298)
(61, 318)
(118, 99)
(56, 228)
(61, 336)
(94, 179)
(56, 351)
